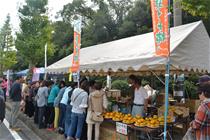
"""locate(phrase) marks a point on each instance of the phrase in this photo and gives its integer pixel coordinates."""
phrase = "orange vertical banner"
(75, 60)
(77, 42)
(160, 27)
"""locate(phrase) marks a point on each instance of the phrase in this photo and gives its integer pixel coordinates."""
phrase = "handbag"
(95, 116)
(190, 134)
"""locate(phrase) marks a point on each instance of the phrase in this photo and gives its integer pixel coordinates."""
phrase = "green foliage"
(121, 85)
(137, 21)
(190, 89)
(197, 7)
(35, 32)
(7, 52)
(62, 39)
(76, 7)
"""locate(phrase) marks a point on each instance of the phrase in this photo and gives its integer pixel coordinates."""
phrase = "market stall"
(190, 52)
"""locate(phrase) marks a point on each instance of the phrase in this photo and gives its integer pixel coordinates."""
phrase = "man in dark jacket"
(15, 96)
(2, 105)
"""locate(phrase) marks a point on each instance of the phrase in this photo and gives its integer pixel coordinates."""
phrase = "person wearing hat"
(201, 124)
(203, 79)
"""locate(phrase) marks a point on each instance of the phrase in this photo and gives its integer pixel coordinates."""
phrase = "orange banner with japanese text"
(76, 52)
(77, 42)
(160, 27)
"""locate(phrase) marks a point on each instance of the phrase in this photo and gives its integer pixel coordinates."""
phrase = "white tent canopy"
(190, 50)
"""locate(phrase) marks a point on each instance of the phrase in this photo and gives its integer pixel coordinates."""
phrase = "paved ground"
(8, 134)
(5, 133)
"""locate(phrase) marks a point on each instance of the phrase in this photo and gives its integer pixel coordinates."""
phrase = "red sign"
(75, 61)
(160, 27)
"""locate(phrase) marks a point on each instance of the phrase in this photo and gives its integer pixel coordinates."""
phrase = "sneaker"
(15, 129)
(50, 129)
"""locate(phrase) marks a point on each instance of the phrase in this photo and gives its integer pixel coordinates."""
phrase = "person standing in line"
(25, 93)
(97, 103)
(67, 95)
(30, 106)
(57, 105)
(79, 102)
(41, 103)
(2, 106)
(140, 97)
(4, 87)
(36, 109)
(50, 113)
(15, 96)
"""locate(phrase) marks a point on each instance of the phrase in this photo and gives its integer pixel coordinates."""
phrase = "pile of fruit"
(128, 119)
(115, 116)
(151, 122)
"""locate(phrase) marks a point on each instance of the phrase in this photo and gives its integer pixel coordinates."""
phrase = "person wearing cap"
(203, 79)
(201, 124)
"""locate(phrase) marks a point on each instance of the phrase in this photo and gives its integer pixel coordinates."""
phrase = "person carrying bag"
(200, 127)
(97, 105)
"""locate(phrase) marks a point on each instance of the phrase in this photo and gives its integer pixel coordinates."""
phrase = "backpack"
(69, 94)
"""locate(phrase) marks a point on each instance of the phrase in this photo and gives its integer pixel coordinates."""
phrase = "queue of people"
(60, 106)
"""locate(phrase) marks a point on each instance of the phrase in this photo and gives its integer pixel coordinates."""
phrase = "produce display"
(151, 122)
(128, 119)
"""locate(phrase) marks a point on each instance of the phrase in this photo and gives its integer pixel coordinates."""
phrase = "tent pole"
(166, 96)
(167, 76)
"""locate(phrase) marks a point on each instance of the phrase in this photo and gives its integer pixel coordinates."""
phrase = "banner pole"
(167, 76)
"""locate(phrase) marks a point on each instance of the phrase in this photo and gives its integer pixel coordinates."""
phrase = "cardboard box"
(174, 111)
(192, 105)
(160, 99)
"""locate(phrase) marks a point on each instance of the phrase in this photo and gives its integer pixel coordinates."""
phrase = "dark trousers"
(50, 114)
(41, 115)
(5, 91)
(62, 113)
(29, 108)
(36, 110)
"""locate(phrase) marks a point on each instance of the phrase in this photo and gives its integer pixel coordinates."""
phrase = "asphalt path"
(8, 134)
(5, 134)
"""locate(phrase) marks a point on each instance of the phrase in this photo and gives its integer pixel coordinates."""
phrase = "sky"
(11, 7)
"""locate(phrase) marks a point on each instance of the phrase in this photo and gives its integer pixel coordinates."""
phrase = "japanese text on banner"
(160, 26)
(77, 42)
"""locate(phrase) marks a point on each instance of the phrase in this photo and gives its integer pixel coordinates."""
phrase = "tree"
(62, 40)
(35, 32)
(138, 20)
(197, 7)
(7, 52)
(77, 7)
